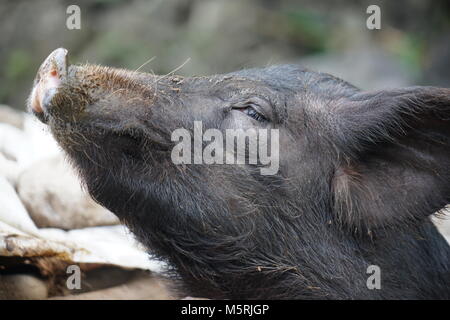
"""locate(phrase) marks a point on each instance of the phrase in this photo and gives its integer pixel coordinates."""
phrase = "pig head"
(359, 175)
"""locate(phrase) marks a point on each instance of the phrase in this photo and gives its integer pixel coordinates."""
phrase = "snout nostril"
(51, 74)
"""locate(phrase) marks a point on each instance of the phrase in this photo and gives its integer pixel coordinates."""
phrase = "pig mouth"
(133, 142)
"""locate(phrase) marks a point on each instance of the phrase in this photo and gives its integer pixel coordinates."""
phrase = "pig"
(345, 216)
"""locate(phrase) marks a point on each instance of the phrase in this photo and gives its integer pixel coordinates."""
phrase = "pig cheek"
(238, 120)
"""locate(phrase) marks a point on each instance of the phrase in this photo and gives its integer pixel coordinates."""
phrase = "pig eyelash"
(252, 113)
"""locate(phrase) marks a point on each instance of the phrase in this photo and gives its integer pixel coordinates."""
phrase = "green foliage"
(116, 49)
(17, 69)
(308, 28)
(410, 49)
(18, 65)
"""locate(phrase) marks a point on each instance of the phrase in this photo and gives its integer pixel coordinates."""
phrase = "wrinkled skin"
(360, 173)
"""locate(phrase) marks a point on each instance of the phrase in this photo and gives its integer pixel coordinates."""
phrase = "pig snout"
(48, 80)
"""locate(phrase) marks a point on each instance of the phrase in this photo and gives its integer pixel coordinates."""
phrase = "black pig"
(359, 175)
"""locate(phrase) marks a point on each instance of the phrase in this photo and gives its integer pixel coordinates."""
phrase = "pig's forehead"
(296, 78)
(277, 71)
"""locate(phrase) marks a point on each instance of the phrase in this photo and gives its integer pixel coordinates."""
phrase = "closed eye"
(251, 112)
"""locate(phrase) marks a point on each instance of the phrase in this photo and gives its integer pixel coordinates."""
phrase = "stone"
(9, 169)
(142, 287)
(22, 287)
(25, 146)
(43, 145)
(12, 211)
(11, 116)
(442, 222)
(53, 196)
(14, 144)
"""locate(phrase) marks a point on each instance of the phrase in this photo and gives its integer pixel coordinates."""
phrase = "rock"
(109, 245)
(54, 198)
(22, 287)
(142, 287)
(12, 211)
(29, 145)
(99, 278)
(14, 144)
(43, 145)
(11, 116)
(9, 169)
(442, 222)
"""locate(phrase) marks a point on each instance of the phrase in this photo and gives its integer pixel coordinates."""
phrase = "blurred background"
(412, 46)
(48, 223)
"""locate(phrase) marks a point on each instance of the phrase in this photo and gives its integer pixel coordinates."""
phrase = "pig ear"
(394, 167)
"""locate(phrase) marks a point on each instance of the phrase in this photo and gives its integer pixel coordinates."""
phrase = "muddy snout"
(48, 80)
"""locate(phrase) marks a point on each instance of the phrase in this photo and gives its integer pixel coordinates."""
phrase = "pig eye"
(251, 112)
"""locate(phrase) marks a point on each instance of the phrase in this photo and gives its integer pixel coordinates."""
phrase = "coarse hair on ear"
(394, 165)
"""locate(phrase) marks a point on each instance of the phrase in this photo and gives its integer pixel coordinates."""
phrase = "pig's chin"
(41, 116)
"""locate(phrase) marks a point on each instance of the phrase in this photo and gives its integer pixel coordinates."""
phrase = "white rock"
(29, 145)
(22, 287)
(9, 169)
(110, 245)
(53, 196)
(11, 116)
(15, 145)
(442, 222)
(42, 142)
(12, 211)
